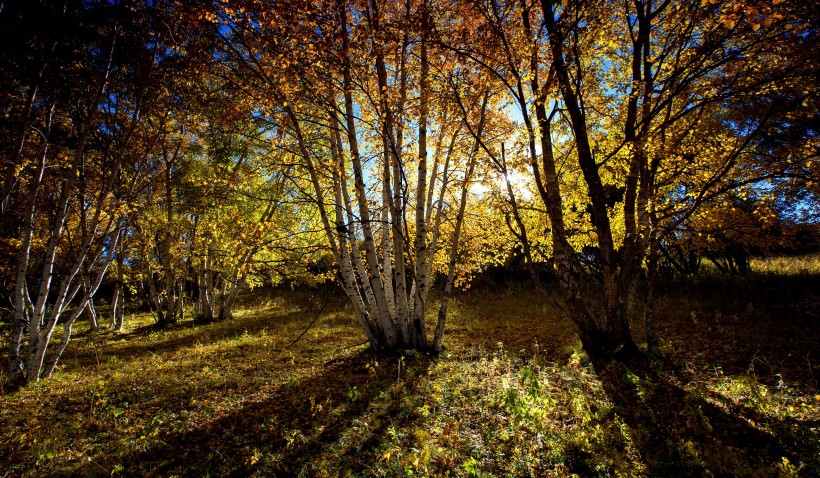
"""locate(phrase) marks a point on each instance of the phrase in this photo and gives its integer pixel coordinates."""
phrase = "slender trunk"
(179, 305)
(16, 365)
(39, 331)
(116, 323)
(346, 269)
(387, 249)
(649, 308)
(389, 152)
(397, 205)
(118, 300)
(206, 311)
(120, 311)
(86, 305)
(451, 267)
(374, 276)
(21, 298)
(232, 293)
(419, 332)
(355, 253)
(68, 327)
(154, 296)
(91, 313)
(167, 263)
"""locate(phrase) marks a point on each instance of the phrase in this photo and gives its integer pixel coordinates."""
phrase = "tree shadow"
(760, 330)
(186, 334)
(291, 429)
(764, 325)
(679, 433)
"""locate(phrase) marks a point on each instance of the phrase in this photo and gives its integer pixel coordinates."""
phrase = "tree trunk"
(21, 298)
(116, 323)
(376, 283)
(419, 332)
(451, 266)
(610, 333)
(652, 344)
(91, 313)
(154, 298)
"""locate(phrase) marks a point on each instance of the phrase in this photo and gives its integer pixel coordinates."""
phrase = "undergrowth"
(513, 394)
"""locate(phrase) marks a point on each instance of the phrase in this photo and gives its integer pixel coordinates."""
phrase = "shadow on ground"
(184, 334)
(291, 430)
(764, 325)
(681, 434)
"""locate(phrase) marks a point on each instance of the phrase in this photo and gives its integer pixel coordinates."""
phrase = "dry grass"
(787, 265)
(512, 395)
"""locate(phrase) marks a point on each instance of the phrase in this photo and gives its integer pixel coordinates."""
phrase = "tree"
(204, 146)
(88, 77)
(620, 93)
(381, 201)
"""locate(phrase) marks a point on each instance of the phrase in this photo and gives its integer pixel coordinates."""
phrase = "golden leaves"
(728, 22)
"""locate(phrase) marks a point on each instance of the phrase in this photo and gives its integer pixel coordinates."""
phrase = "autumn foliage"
(176, 154)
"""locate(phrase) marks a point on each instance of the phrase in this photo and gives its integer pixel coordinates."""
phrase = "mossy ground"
(512, 395)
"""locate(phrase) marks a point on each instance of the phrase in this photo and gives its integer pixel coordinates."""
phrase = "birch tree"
(87, 100)
(364, 142)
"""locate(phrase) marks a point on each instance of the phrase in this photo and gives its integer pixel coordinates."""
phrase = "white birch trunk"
(115, 323)
(371, 257)
(419, 330)
(86, 305)
(21, 298)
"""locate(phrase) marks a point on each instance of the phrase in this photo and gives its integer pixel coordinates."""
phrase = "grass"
(787, 265)
(512, 395)
(778, 266)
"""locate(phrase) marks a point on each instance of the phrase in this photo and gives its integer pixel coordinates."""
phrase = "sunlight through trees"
(177, 153)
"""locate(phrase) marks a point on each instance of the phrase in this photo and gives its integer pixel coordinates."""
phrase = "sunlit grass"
(787, 265)
(796, 265)
(497, 415)
(114, 394)
(512, 395)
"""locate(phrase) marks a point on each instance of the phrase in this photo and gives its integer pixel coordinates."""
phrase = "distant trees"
(127, 146)
(90, 77)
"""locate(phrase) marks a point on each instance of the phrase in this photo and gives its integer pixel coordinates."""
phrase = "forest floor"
(512, 395)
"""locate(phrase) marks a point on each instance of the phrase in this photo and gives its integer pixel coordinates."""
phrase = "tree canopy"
(183, 151)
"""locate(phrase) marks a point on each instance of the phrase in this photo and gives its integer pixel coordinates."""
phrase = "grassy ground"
(513, 394)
